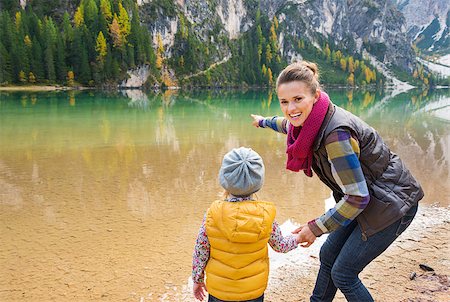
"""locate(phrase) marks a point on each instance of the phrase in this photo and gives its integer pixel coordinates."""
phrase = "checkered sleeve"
(276, 123)
(343, 155)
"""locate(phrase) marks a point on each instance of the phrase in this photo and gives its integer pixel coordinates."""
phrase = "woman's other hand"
(199, 291)
(256, 119)
(304, 236)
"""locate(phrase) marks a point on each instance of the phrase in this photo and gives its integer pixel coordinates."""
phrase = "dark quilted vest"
(392, 188)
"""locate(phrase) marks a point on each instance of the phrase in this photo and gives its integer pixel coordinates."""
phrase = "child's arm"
(199, 260)
(279, 243)
(276, 123)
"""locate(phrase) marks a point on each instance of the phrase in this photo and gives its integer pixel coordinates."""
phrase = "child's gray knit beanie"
(242, 172)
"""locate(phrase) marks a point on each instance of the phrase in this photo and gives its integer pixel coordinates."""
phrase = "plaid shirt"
(343, 155)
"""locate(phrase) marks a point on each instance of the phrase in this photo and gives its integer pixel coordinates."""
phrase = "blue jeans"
(344, 255)
(214, 299)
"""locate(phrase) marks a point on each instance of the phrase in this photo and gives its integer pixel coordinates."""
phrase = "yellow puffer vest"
(238, 266)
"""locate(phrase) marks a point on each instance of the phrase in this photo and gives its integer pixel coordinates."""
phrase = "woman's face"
(296, 101)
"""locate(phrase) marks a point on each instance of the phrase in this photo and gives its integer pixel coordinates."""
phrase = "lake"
(102, 195)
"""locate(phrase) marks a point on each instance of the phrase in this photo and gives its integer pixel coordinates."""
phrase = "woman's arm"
(276, 123)
(343, 155)
(201, 254)
(279, 243)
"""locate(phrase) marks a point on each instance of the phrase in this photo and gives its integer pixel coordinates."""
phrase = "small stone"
(412, 276)
(426, 268)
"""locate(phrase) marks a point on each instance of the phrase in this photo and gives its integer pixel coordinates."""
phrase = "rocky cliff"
(427, 23)
(209, 42)
(378, 27)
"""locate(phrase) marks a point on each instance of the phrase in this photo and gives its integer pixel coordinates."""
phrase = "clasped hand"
(305, 237)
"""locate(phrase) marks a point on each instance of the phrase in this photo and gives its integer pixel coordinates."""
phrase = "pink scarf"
(300, 139)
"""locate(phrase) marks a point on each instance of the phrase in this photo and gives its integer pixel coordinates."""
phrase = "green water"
(101, 195)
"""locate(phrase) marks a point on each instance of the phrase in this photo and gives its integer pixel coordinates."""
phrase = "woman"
(376, 195)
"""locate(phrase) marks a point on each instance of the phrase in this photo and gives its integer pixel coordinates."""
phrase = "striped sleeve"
(343, 155)
(276, 123)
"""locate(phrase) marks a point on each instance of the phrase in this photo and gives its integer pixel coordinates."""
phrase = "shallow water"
(101, 196)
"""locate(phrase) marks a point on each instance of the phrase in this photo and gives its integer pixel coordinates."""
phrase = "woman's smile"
(296, 101)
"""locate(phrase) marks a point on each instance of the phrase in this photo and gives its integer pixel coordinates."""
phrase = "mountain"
(217, 42)
(377, 28)
(428, 24)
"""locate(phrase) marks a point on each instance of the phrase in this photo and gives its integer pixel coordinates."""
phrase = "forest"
(102, 39)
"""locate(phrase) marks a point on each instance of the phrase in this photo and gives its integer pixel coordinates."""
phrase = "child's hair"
(302, 71)
(242, 172)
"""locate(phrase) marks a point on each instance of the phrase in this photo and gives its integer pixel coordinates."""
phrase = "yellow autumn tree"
(369, 75)
(22, 77)
(78, 18)
(268, 53)
(343, 63)
(351, 64)
(70, 78)
(27, 41)
(351, 79)
(31, 78)
(114, 31)
(270, 76)
(101, 47)
(273, 39)
(264, 69)
(105, 8)
(18, 19)
(124, 23)
(159, 52)
(327, 51)
(181, 61)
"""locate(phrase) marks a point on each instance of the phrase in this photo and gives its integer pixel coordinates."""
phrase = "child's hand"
(256, 119)
(305, 237)
(199, 291)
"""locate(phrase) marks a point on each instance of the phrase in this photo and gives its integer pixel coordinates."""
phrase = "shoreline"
(394, 276)
(39, 88)
(36, 88)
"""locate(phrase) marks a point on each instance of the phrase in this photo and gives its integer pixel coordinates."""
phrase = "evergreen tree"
(124, 23)
(90, 14)
(67, 30)
(50, 34)
(60, 59)
(37, 65)
(5, 65)
(85, 68)
(9, 5)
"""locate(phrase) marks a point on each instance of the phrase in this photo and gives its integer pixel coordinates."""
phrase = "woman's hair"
(302, 71)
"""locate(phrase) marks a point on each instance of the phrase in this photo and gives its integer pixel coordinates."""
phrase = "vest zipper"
(364, 236)
(363, 231)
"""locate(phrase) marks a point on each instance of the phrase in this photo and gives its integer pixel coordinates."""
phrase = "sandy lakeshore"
(393, 276)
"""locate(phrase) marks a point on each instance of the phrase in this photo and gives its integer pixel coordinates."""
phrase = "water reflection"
(101, 197)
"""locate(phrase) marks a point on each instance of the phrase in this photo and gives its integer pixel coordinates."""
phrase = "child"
(232, 242)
